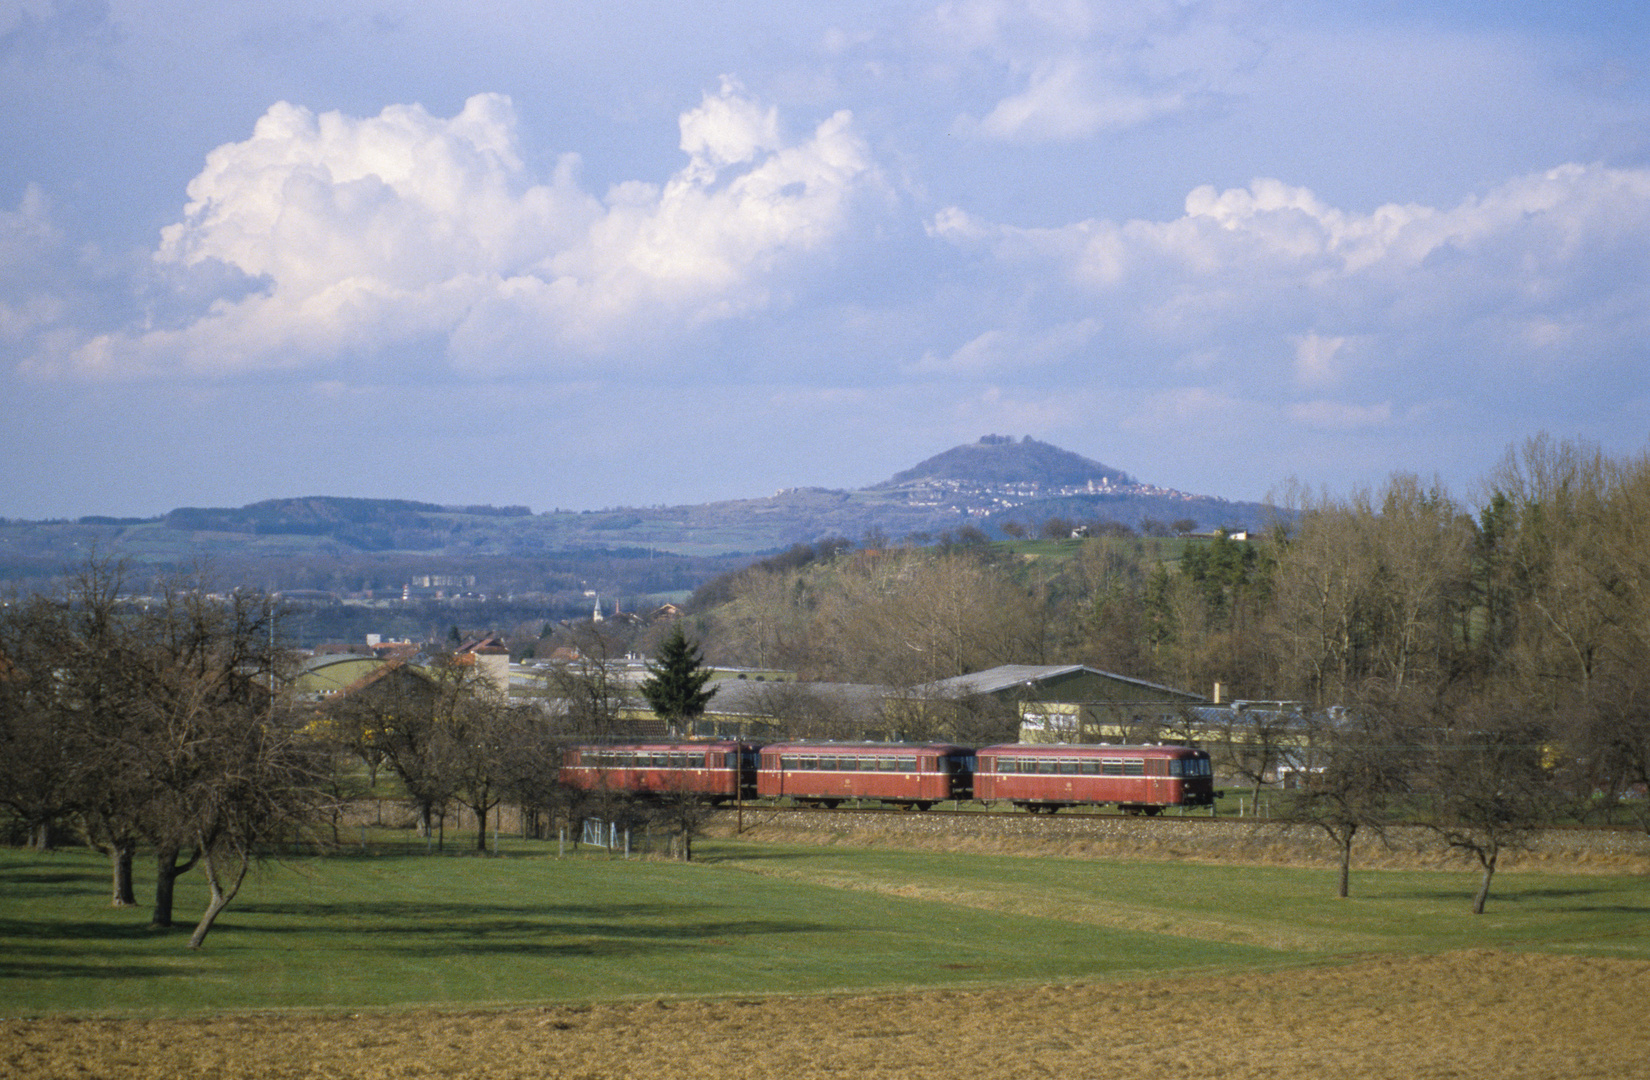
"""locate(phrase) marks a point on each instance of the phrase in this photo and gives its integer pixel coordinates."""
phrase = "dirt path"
(1463, 1015)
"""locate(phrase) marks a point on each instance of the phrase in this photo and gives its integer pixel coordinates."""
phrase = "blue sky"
(622, 253)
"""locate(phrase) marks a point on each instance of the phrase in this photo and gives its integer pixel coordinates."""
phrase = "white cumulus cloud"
(1525, 264)
(1080, 67)
(1346, 320)
(345, 235)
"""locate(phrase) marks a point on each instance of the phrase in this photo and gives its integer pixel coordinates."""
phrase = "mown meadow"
(384, 927)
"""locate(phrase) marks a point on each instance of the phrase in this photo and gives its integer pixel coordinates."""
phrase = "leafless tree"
(399, 713)
(1250, 742)
(586, 693)
(207, 664)
(801, 710)
(41, 769)
(1364, 769)
(1486, 784)
(682, 814)
(266, 783)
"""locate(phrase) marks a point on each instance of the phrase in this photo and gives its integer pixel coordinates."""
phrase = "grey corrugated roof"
(1007, 676)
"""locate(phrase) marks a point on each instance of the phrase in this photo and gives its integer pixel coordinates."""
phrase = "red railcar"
(827, 774)
(1139, 779)
(720, 770)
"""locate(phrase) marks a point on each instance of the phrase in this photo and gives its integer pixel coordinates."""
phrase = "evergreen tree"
(675, 686)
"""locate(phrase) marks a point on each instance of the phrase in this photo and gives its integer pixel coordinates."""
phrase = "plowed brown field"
(1463, 1015)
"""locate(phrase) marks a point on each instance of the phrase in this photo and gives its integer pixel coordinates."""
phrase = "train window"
(906, 764)
(1089, 767)
(1137, 767)
(1068, 767)
(827, 764)
(1111, 767)
(1176, 767)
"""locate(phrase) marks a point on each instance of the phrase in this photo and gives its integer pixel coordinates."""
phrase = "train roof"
(667, 744)
(812, 747)
(1089, 750)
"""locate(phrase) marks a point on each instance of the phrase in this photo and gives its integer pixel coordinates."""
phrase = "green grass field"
(391, 930)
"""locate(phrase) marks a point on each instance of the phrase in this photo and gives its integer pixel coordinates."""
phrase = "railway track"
(1197, 818)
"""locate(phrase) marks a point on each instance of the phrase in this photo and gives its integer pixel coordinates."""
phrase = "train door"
(1159, 790)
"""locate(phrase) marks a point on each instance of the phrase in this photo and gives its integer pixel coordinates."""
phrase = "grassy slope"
(392, 931)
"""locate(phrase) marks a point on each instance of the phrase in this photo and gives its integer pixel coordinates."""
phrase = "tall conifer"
(675, 686)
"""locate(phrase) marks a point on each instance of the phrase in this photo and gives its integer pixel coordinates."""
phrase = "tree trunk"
(1487, 858)
(221, 896)
(120, 864)
(167, 872)
(1346, 864)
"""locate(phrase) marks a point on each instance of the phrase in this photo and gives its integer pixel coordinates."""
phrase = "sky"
(606, 253)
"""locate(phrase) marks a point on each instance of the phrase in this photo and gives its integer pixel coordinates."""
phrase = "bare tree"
(207, 664)
(587, 692)
(42, 771)
(1488, 788)
(682, 814)
(530, 753)
(267, 782)
(1363, 771)
(921, 617)
(801, 710)
(399, 713)
(1251, 742)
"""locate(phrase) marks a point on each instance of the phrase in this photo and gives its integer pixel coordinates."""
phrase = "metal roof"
(1009, 676)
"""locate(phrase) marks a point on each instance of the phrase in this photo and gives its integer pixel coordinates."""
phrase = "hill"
(997, 460)
(336, 543)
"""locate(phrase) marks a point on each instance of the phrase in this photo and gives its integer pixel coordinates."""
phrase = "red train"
(1040, 778)
(903, 774)
(721, 771)
(1139, 779)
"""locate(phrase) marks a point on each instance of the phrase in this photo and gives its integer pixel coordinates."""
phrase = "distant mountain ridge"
(983, 485)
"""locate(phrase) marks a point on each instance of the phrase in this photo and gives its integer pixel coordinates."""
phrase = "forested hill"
(997, 460)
